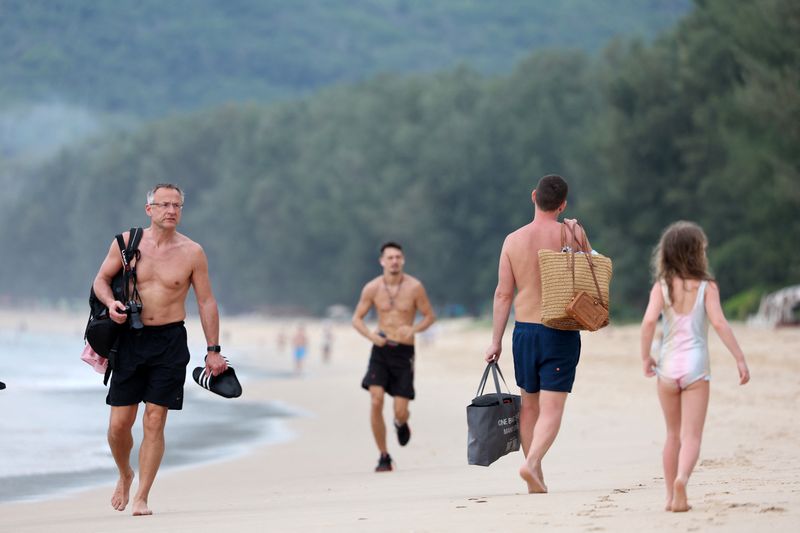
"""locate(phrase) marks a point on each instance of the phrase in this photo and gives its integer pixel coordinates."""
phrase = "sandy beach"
(603, 472)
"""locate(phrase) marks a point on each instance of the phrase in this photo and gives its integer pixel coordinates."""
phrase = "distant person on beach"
(545, 359)
(686, 296)
(397, 297)
(300, 348)
(327, 342)
(151, 363)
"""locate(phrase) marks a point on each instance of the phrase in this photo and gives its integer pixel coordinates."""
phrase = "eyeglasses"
(166, 205)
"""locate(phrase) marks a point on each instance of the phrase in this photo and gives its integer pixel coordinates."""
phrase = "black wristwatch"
(216, 348)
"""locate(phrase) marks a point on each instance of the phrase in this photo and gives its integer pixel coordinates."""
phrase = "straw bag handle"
(575, 241)
(584, 246)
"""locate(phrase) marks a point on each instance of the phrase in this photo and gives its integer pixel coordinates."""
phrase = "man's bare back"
(521, 254)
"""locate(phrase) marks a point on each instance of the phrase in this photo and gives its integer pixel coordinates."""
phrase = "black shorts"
(392, 367)
(150, 367)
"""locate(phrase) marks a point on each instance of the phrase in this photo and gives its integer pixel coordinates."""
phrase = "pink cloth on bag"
(96, 361)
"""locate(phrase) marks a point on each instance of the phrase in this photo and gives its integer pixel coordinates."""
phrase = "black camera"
(133, 309)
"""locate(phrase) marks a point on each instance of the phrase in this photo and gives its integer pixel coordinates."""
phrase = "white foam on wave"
(72, 458)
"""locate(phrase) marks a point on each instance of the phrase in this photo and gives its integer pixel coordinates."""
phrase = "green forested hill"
(151, 56)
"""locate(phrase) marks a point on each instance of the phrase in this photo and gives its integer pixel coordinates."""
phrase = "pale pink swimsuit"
(684, 349)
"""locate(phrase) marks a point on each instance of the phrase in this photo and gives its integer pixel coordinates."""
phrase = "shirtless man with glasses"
(150, 365)
(397, 297)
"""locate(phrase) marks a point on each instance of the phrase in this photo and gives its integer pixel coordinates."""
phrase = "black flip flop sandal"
(226, 384)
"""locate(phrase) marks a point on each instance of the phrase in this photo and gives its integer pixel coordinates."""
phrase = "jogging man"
(397, 297)
(150, 366)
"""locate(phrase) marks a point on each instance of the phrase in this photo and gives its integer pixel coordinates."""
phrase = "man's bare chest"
(388, 301)
(169, 271)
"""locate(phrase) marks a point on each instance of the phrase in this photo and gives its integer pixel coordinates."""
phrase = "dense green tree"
(703, 126)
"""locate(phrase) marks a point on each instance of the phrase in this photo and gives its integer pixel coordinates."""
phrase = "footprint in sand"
(712, 463)
(772, 509)
(735, 505)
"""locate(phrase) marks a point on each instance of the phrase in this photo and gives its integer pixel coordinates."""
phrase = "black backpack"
(101, 332)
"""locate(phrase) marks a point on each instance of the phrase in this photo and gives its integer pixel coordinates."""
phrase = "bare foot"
(541, 476)
(119, 500)
(680, 503)
(531, 477)
(140, 508)
(668, 507)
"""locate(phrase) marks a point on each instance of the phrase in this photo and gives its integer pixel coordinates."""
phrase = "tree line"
(292, 200)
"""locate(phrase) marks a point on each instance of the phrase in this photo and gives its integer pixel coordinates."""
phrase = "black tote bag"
(492, 422)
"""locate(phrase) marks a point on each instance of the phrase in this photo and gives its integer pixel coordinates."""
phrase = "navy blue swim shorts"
(545, 358)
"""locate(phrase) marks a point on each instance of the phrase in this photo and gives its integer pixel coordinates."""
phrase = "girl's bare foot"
(680, 503)
(119, 499)
(532, 478)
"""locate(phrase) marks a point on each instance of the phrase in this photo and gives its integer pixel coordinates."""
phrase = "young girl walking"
(687, 298)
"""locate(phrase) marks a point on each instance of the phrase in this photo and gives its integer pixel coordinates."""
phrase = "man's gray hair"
(152, 192)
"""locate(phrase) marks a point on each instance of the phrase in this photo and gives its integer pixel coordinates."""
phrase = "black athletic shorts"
(392, 367)
(150, 366)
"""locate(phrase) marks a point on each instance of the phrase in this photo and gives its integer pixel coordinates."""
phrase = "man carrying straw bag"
(545, 359)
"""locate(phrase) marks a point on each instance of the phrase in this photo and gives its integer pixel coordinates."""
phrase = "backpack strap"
(131, 253)
(121, 244)
(128, 254)
(133, 245)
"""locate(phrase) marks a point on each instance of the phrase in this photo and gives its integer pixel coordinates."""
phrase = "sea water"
(53, 420)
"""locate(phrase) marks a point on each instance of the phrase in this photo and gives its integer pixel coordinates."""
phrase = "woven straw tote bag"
(565, 274)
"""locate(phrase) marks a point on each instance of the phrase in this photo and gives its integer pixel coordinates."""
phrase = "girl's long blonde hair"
(681, 253)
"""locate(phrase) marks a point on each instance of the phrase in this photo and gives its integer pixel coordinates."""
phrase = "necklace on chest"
(393, 296)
